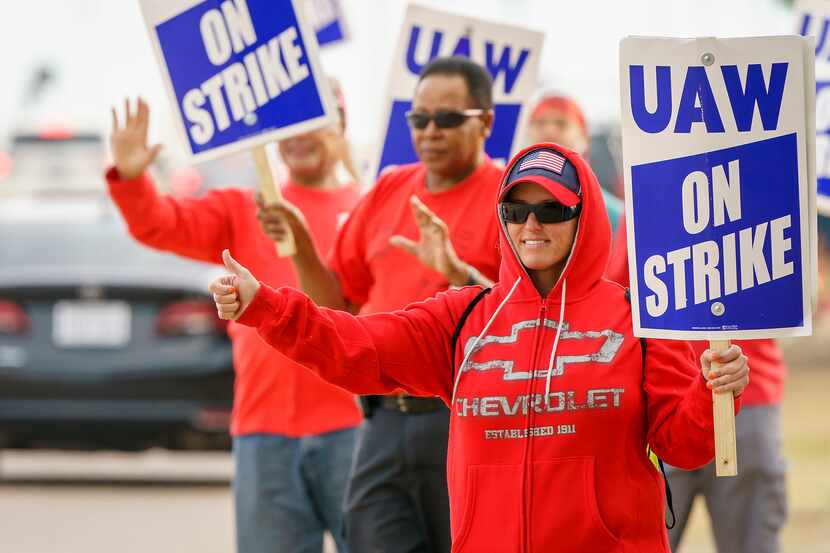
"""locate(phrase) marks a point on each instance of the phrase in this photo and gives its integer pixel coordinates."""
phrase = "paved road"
(89, 503)
(154, 502)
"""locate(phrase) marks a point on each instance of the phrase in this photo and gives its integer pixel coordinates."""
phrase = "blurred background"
(154, 367)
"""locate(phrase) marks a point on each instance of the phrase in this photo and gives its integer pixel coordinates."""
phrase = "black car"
(104, 343)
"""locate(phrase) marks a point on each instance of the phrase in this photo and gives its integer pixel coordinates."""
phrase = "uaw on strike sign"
(239, 72)
(718, 146)
(814, 20)
(510, 55)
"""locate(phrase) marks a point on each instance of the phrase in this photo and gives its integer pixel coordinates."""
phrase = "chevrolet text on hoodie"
(529, 471)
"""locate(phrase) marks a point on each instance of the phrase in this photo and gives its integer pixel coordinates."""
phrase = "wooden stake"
(726, 451)
(271, 192)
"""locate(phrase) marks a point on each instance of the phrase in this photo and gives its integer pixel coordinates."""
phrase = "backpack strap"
(668, 495)
(669, 501)
(462, 320)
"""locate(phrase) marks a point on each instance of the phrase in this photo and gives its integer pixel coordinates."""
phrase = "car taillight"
(13, 320)
(189, 318)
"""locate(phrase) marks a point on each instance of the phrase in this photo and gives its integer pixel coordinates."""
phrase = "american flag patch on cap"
(543, 160)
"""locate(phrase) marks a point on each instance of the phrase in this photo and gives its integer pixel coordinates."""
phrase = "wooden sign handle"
(271, 192)
(726, 450)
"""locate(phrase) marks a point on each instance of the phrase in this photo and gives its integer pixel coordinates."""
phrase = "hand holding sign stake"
(726, 452)
(718, 196)
(271, 192)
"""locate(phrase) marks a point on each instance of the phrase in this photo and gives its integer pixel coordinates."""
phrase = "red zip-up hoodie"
(526, 474)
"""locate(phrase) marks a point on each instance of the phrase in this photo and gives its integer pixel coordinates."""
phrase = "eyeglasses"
(546, 213)
(443, 119)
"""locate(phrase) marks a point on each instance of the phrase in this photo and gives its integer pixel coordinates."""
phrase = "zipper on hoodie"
(537, 344)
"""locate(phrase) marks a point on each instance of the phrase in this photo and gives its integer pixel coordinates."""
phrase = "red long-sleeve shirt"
(272, 394)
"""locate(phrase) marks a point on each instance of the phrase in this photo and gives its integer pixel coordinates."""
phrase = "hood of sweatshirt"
(592, 244)
(589, 252)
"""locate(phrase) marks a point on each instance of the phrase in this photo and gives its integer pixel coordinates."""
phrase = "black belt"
(411, 404)
(402, 403)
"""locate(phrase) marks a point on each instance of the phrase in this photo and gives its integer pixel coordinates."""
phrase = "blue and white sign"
(240, 73)
(814, 20)
(328, 21)
(510, 54)
(718, 146)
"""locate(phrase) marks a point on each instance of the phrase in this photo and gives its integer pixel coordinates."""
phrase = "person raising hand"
(277, 441)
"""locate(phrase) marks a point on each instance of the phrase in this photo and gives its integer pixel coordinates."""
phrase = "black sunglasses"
(546, 213)
(443, 119)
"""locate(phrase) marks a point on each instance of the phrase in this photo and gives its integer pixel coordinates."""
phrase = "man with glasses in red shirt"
(397, 498)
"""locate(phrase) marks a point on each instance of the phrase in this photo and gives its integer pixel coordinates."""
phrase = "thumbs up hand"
(233, 292)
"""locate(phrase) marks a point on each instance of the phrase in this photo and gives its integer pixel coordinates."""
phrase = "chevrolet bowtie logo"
(605, 354)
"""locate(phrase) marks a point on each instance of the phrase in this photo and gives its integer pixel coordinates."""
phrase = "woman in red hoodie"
(553, 398)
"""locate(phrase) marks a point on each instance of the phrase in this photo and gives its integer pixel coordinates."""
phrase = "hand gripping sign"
(718, 148)
(510, 54)
(814, 20)
(240, 73)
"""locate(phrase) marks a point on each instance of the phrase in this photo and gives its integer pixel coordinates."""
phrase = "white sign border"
(329, 116)
(806, 165)
(822, 10)
(415, 11)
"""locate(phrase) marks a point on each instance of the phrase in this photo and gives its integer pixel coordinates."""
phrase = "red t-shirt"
(381, 277)
(272, 394)
(766, 363)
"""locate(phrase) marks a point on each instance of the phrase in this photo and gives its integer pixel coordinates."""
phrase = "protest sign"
(239, 72)
(717, 186)
(328, 21)
(717, 138)
(814, 20)
(510, 54)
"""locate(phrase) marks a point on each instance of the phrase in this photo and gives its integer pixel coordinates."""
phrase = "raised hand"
(234, 292)
(731, 373)
(128, 142)
(433, 247)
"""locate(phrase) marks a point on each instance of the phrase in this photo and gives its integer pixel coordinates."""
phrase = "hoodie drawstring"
(480, 336)
(555, 342)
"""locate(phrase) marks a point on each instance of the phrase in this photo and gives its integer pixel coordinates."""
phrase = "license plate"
(101, 324)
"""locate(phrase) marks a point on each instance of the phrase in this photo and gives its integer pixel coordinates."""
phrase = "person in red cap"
(747, 511)
(559, 119)
(553, 399)
(293, 433)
